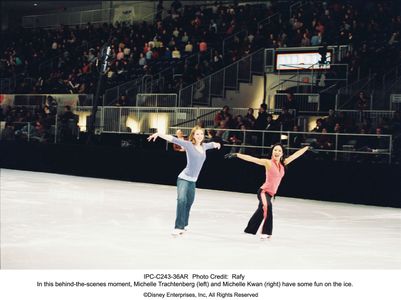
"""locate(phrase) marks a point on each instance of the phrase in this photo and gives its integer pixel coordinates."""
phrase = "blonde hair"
(191, 135)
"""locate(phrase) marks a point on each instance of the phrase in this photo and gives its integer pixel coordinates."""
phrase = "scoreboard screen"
(310, 60)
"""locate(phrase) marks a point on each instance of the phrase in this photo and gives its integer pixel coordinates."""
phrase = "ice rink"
(51, 221)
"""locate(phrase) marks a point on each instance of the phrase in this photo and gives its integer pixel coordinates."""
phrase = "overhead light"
(35, 4)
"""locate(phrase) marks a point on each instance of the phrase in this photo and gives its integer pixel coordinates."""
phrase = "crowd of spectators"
(371, 27)
(230, 129)
(263, 128)
(361, 124)
(64, 60)
(42, 124)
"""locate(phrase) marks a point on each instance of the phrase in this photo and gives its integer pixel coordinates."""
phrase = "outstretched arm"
(295, 155)
(216, 145)
(258, 161)
(163, 136)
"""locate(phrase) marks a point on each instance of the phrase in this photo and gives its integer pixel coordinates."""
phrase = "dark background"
(370, 184)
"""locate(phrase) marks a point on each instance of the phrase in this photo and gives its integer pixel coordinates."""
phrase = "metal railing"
(177, 67)
(31, 132)
(188, 116)
(147, 120)
(40, 100)
(160, 79)
(202, 91)
(169, 72)
(357, 86)
(129, 89)
(21, 131)
(332, 146)
(144, 118)
(395, 102)
(228, 41)
(155, 82)
(310, 81)
(374, 117)
(345, 95)
(304, 102)
(156, 100)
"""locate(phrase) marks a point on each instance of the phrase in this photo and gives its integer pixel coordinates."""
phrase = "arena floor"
(51, 221)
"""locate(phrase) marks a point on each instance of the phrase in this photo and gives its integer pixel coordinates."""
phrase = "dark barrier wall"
(372, 184)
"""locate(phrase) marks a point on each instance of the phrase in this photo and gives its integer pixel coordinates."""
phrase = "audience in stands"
(189, 42)
(64, 60)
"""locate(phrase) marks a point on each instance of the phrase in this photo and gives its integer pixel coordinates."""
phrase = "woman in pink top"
(274, 173)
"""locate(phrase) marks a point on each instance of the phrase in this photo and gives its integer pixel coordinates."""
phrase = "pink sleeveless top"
(273, 178)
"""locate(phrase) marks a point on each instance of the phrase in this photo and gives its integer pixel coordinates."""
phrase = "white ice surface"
(51, 221)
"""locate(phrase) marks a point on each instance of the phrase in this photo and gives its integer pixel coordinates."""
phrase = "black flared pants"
(257, 218)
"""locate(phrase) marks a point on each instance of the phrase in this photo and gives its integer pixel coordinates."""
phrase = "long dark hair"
(282, 158)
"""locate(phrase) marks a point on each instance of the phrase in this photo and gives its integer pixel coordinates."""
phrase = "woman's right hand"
(153, 137)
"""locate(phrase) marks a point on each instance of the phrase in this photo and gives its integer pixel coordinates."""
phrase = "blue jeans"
(185, 198)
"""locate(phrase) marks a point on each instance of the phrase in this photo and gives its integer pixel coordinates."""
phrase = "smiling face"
(199, 135)
(277, 153)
